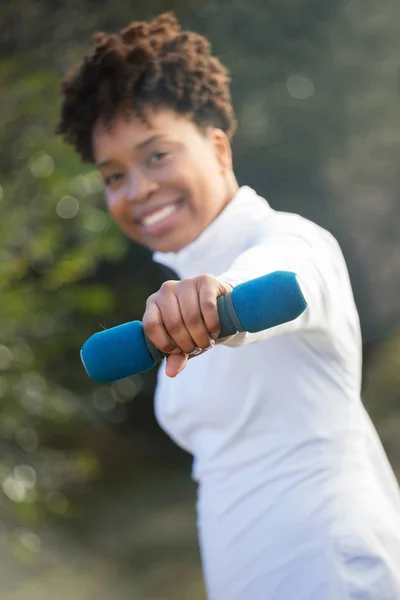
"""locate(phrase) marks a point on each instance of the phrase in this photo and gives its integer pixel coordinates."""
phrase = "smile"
(160, 219)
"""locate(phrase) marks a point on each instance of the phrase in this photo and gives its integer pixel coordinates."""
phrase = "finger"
(174, 323)
(154, 329)
(175, 364)
(189, 302)
(208, 306)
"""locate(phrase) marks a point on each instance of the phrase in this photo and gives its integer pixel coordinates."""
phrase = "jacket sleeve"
(321, 272)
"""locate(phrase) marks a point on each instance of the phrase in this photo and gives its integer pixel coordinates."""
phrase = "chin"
(172, 243)
(167, 247)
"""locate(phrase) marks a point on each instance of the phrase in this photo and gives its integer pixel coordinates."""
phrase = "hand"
(182, 318)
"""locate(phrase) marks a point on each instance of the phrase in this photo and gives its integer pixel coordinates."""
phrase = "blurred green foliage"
(54, 234)
(315, 89)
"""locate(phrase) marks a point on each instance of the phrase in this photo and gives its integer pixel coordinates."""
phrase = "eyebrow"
(139, 146)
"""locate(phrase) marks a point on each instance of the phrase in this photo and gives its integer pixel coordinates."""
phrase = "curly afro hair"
(148, 64)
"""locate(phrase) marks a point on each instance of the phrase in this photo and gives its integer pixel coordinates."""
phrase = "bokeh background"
(95, 501)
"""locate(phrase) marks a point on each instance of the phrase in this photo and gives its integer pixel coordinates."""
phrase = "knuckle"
(150, 300)
(206, 280)
(168, 287)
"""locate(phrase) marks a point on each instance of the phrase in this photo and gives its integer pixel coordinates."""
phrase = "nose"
(140, 187)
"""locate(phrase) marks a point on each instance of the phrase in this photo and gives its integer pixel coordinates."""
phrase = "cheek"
(117, 208)
(209, 186)
(209, 173)
(114, 204)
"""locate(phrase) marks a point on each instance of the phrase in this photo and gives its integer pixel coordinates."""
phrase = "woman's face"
(164, 181)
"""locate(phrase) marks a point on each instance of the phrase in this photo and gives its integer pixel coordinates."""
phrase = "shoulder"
(293, 223)
(293, 229)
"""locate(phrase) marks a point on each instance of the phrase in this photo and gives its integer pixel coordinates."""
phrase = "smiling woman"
(296, 498)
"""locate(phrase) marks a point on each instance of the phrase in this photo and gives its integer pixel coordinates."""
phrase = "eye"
(156, 157)
(113, 178)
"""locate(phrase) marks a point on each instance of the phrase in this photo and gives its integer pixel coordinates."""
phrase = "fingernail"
(196, 351)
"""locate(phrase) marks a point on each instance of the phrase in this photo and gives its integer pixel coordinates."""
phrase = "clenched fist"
(181, 319)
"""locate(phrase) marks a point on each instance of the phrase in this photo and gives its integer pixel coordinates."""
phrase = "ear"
(223, 149)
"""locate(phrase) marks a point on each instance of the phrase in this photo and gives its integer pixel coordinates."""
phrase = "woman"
(296, 498)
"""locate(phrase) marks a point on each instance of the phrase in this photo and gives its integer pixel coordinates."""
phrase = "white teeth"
(158, 216)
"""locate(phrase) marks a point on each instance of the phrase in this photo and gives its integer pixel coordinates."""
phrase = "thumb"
(176, 363)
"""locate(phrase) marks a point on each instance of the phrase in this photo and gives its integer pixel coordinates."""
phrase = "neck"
(227, 235)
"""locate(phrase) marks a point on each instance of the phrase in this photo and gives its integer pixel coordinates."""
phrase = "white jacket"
(296, 498)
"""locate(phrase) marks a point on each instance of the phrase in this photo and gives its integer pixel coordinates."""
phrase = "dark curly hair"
(148, 64)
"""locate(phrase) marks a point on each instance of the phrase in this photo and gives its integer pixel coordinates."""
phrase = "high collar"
(219, 244)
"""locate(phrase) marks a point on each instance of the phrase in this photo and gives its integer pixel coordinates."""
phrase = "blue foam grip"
(117, 353)
(268, 301)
